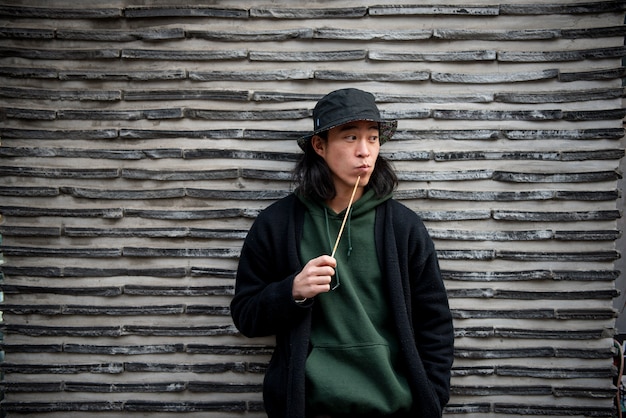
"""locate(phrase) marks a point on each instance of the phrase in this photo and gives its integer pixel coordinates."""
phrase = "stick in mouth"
(345, 217)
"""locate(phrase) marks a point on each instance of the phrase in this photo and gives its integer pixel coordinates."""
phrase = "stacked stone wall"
(139, 140)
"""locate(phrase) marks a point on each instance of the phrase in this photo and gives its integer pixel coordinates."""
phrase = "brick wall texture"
(139, 140)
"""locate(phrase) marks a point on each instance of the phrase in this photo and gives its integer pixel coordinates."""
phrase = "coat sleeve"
(430, 311)
(263, 304)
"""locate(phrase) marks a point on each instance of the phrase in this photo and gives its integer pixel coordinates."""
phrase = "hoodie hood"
(367, 202)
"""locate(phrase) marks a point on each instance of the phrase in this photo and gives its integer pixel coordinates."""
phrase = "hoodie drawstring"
(330, 241)
(349, 234)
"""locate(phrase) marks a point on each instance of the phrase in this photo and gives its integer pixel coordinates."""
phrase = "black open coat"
(263, 304)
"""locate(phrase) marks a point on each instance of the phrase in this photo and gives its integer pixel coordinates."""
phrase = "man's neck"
(341, 200)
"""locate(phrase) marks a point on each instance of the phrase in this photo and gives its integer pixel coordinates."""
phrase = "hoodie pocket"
(355, 379)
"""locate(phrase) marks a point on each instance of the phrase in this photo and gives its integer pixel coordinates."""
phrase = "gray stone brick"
(196, 271)
(189, 331)
(307, 13)
(553, 216)
(123, 349)
(59, 134)
(404, 76)
(251, 36)
(210, 114)
(84, 193)
(275, 75)
(571, 134)
(17, 251)
(52, 331)
(34, 387)
(465, 235)
(184, 94)
(453, 56)
(427, 10)
(30, 231)
(591, 75)
(178, 290)
(556, 56)
(529, 115)
(445, 175)
(28, 72)
(127, 232)
(156, 387)
(590, 256)
(602, 154)
(59, 54)
(512, 409)
(74, 291)
(497, 35)
(51, 407)
(180, 252)
(217, 387)
(454, 215)
(29, 191)
(50, 172)
(183, 55)
(466, 254)
(239, 154)
(141, 12)
(184, 407)
(22, 211)
(582, 115)
(111, 310)
(608, 235)
(149, 34)
(493, 78)
(305, 56)
(603, 32)
(34, 114)
(26, 33)
(559, 96)
(179, 214)
(587, 177)
(229, 349)
(113, 75)
(561, 8)
(369, 34)
(48, 94)
(60, 13)
(234, 194)
(151, 114)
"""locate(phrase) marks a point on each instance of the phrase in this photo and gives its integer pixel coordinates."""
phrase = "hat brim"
(386, 130)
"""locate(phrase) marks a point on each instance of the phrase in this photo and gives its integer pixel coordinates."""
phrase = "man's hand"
(314, 278)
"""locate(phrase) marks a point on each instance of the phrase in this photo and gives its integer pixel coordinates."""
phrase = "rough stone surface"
(139, 142)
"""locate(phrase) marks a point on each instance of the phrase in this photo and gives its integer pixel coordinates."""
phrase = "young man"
(367, 332)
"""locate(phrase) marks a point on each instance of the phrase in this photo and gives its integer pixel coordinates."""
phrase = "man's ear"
(318, 144)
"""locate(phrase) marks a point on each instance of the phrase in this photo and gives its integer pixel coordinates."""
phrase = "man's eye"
(373, 138)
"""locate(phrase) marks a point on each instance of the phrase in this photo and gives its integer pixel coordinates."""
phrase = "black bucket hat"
(348, 105)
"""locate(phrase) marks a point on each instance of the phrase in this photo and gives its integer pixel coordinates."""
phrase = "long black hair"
(314, 180)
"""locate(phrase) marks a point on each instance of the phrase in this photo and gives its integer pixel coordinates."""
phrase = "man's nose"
(362, 148)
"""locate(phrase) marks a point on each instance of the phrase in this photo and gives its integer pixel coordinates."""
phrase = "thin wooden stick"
(345, 217)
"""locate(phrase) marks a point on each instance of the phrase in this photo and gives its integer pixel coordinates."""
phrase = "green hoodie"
(352, 367)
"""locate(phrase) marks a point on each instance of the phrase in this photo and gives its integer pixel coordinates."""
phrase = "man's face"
(350, 151)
